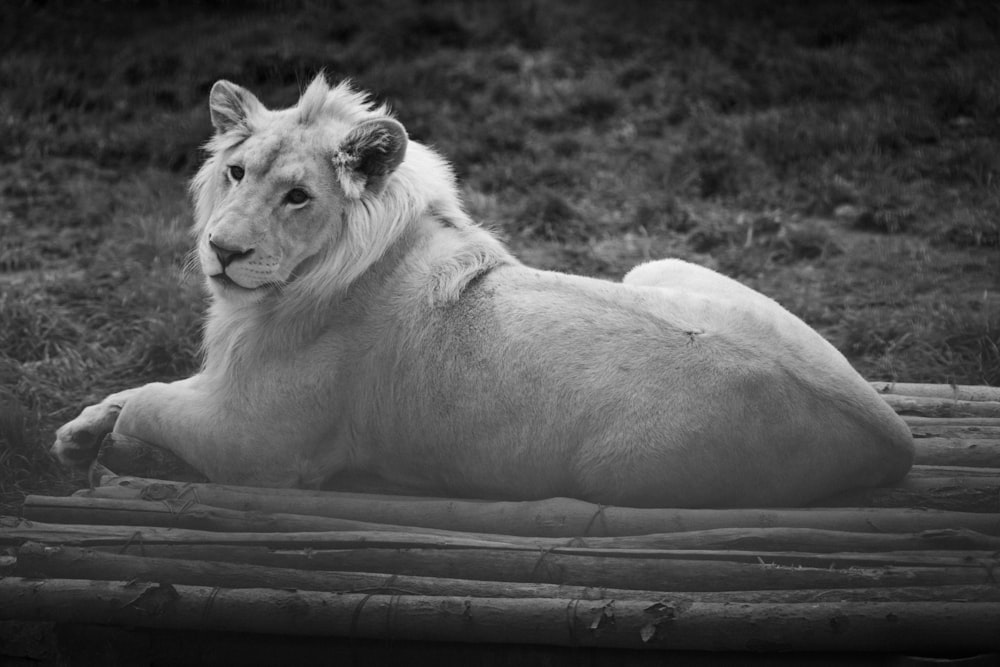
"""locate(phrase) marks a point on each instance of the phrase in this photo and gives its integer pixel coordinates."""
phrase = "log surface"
(558, 517)
(811, 540)
(957, 392)
(647, 624)
(909, 568)
(941, 407)
(64, 562)
(666, 574)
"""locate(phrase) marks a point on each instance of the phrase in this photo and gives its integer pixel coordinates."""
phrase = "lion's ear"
(230, 105)
(369, 154)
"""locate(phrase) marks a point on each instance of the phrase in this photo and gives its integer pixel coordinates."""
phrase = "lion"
(362, 327)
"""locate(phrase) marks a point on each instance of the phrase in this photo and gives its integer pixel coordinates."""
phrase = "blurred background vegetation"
(842, 157)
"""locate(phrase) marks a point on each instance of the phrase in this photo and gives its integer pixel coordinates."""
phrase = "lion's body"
(404, 344)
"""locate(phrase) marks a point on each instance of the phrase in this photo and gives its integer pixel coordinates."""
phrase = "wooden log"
(958, 392)
(931, 494)
(958, 474)
(668, 572)
(658, 623)
(430, 545)
(558, 517)
(957, 427)
(966, 489)
(452, 513)
(62, 562)
(180, 514)
(132, 645)
(943, 488)
(551, 518)
(400, 537)
(941, 407)
(384, 559)
(16, 531)
(972, 452)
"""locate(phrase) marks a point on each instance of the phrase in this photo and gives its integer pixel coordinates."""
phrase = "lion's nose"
(227, 255)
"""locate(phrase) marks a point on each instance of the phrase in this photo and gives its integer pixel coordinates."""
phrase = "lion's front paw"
(77, 441)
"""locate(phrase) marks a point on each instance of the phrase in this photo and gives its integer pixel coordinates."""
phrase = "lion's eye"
(296, 197)
(236, 172)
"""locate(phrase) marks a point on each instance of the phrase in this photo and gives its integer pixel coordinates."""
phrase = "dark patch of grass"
(961, 344)
(822, 76)
(596, 105)
(802, 241)
(970, 162)
(963, 96)
(887, 220)
(713, 163)
(972, 228)
(664, 214)
(787, 139)
(745, 245)
(32, 331)
(547, 215)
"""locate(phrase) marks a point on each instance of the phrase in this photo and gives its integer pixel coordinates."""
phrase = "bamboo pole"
(658, 623)
(960, 392)
(557, 517)
(737, 539)
(62, 562)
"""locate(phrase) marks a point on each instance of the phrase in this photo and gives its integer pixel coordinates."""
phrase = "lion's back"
(635, 387)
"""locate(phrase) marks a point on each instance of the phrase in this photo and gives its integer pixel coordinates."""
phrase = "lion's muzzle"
(228, 255)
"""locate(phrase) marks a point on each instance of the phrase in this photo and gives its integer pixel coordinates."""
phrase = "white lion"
(363, 327)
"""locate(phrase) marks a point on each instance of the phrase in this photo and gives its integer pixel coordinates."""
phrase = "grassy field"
(842, 157)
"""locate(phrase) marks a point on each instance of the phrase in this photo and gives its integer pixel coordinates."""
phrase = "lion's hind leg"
(657, 273)
(676, 274)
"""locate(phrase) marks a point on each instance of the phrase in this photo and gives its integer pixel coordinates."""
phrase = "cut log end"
(125, 455)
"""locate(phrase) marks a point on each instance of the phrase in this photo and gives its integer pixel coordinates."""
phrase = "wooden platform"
(145, 571)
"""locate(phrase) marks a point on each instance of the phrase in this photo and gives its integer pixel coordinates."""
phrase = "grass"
(846, 165)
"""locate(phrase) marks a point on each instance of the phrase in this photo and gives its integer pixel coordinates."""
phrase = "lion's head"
(288, 196)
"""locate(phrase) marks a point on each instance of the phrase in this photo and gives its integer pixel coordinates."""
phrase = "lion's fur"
(370, 224)
(413, 348)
